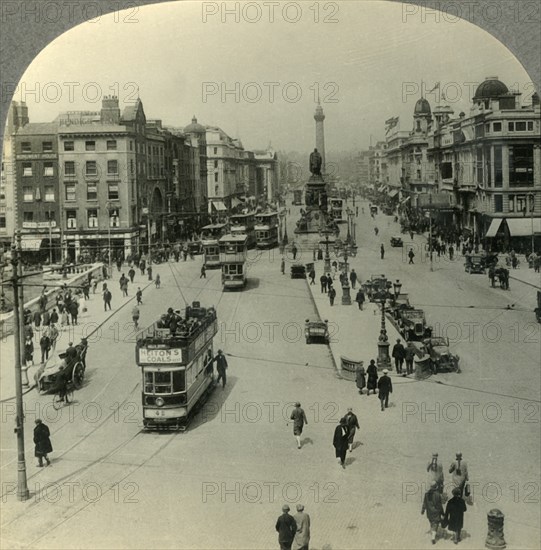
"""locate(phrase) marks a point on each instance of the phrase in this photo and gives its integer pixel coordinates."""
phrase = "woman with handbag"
(454, 515)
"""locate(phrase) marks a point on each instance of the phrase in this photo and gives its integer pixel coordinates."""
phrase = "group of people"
(372, 381)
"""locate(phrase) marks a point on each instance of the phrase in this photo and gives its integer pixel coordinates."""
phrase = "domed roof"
(194, 127)
(490, 88)
(422, 107)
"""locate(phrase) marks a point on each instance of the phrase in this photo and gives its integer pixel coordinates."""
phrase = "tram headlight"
(160, 402)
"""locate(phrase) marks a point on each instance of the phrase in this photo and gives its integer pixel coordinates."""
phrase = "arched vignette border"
(21, 43)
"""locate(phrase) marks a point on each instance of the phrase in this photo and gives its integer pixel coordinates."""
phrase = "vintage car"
(441, 358)
(475, 263)
(396, 240)
(316, 331)
(400, 303)
(298, 271)
(376, 288)
(373, 209)
(195, 247)
(58, 368)
(412, 324)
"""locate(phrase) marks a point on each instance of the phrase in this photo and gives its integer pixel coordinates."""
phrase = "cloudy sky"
(258, 77)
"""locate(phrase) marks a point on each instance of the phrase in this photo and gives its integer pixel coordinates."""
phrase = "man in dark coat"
(42, 443)
(286, 528)
(329, 281)
(37, 319)
(340, 442)
(299, 420)
(409, 356)
(382, 251)
(399, 354)
(385, 387)
(332, 295)
(74, 311)
(353, 425)
(353, 278)
(372, 373)
(454, 514)
(45, 345)
(360, 298)
(131, 274)
(323, 281)
(221, 366)
(434, 509)
(312, 276)
(54, 317)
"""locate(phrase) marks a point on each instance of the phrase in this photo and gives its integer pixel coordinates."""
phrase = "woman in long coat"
(42, 442)
(360, 378)
(454, 514)
(353, 425)
(340, 442)
(372, 382)
(434, 509)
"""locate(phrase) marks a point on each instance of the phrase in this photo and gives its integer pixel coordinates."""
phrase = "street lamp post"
(384, 361)
(532, 205)
(397, 287)
(327, 265)
(110, 255)
(346, 297)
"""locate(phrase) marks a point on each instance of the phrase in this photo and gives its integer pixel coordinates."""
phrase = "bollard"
(495, 540)
(24, 376)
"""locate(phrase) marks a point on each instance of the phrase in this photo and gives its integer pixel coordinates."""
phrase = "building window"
(111, 145)
(2, 222)
(47, 146)
(112, 167)
(90, 145)
(114, 220)
(92, 192)
(49, 193)
(216, 177)
(91, 168)
(498, 203)
(26, 147)
(69, 168)
(28, 194)
(48, 169)
(497, 127)
(520, 165)
(511, 126)
(92, 218)
(215, 150)
(131, 167)
(71, 219)
(131, 145)
(27, 168)
(520, 126)
(70, 192)
(113, 192)
(28, 216)
(69, 146)
(530, 126)
(215, 164)
(498, 170)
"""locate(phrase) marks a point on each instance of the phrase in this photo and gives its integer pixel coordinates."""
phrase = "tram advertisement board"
(159, 356)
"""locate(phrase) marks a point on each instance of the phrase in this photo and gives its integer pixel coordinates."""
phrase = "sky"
(258, 74)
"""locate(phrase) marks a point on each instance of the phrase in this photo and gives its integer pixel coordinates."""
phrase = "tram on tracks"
(244, 224)
(233, 253)
(266, 229)
(336, 207)
(297, 197)
(175, 355)
(210, 235)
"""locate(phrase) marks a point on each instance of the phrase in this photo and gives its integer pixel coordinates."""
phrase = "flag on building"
(391, 123)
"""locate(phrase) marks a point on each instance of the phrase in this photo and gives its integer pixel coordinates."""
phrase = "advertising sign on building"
(160, 356)
(436, 201)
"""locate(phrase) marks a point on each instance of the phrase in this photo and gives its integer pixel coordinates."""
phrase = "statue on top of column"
(315, 163)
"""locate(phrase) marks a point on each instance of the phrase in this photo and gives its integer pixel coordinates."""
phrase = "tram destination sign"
(160, 356)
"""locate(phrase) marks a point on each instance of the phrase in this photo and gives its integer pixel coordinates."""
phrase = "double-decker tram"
(297, 197)
(175, 355)
(210, 235)
(233, 252)
(336, 207)
(243, 224)
(266, 229)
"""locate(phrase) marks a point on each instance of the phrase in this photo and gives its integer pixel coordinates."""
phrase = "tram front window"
(179, 381)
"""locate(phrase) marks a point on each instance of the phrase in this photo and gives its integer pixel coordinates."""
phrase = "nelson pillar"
(320, 135)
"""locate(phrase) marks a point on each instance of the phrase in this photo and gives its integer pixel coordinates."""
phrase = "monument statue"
(315, 163)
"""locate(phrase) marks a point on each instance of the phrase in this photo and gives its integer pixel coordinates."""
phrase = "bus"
(233, 252)
(297, 197)
(175, 355)
(336, 207)
(243, 224)
(266, 229)
(210, 235)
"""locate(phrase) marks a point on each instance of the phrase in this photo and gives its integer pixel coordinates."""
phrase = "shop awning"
(493, 229)
(393, 193)
(522, 227)
(219, 206)
(30, 243)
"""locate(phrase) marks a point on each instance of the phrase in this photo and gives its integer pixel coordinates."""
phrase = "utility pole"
(22, 486)
(430, 231)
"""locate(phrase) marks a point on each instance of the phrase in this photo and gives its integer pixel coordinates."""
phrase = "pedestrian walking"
(158, 281)
(376, 231)
(411, 255)
(203, 274)
(139, 296)
(286, 528)
(409, 357)
(53, 320)
(37, 319)
(302, 536)
(353, 278)
(124, 287)
(329, 281)
(459, 469)
(353, 425)
(357, 210)
(42, 442)
(435, 473)
(332, 295)
(385, 387)
(221, 367)
(46, 318)
(323, 281)
(131, 274)
(142, 267)
(312, 276)
(451, 252)
(52, 333)
(107, 296)
(382, 251)
(86, 290)
(294, 251)
(74, 311)
(45, 346)
(64, 319)
(360, 298)
(411, 235)
(434, 509)
(135, 313)
(398, 354)
(454, 515)
(283, 266)
(372, 372)
(29, 352)
(149, 272)
(340, 442)
(299, 420)
(360, 378)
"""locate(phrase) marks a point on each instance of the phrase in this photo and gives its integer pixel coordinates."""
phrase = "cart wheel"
(58, 402)
(78, 375)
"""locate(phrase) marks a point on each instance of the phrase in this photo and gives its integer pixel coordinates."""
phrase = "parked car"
(298, 271)
(441, 358)
(475, 263)
(316, 330)
(396, 240)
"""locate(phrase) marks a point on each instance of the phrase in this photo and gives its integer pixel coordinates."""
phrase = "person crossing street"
(221, 367)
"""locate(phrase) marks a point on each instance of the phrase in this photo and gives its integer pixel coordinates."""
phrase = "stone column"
(495, 539)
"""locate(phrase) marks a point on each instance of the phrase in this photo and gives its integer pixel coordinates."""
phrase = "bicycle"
(64, 396)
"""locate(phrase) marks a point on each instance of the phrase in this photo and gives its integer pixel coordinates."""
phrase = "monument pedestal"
(346, 298)
(495, 539)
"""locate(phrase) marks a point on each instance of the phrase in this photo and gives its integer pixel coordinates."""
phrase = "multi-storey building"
(267, 177)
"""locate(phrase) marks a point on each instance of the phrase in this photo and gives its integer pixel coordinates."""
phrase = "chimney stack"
(110, 110)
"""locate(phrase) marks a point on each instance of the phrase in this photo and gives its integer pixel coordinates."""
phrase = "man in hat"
(409, 357)
(299, 420)
(459, 469)
(353, 425)
(454, 514)
(372, 373)
(302, 536)
(340, 441)
(42, 443)
(221, 366)
(399, 353)
(286, 528)
(434, 509)
(385, 387)
(435, 472)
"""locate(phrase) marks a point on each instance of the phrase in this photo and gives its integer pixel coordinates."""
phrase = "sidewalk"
(88, 324)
